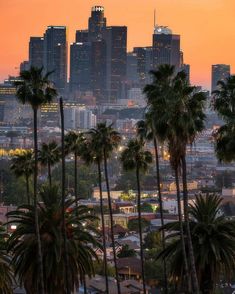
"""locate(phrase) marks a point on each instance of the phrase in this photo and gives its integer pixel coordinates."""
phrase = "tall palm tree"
(81, 241)
(173, 148)
(74, 143)
(178, 111)
(106, 139)
(93, 155)
(48, 155)
(213, 242)
(34, 88)
(23, 165)
(147, 131)
(134, 157)
(63, 199)
(224, 104)
(6, 273)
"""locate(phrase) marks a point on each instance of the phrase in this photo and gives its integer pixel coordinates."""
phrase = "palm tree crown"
(213, 239)
(80, 242)
(224, 104)
(49, 154)
(35, 88)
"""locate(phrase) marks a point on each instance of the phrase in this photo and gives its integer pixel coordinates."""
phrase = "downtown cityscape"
(117, 172)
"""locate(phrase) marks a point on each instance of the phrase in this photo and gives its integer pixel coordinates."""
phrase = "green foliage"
(87, 178)
(224, 104)
(134, 156)
(126, 252)
(128, 196)
(34, 88)
(6, 274)
(134, 226)
(146, 207)
(80, 237)
(213, 239)
(153, 240)
(99, 269)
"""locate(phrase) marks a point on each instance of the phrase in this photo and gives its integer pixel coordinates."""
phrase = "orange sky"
(207, 27)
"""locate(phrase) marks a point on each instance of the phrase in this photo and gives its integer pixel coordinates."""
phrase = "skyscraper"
(36, 51)
(96, 23)
(80, 66)
(55, 55)
(98, 70)
(144, 64)
(131, 68)
(166, 47)
(116, 43)
(81, 36)
(219, 73)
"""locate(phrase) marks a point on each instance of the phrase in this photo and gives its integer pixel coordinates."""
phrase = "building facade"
(55, 55)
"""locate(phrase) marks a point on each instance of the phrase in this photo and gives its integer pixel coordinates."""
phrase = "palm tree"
(179, 117)
(81, 242)
(63, 199)
(74, 143)
(224, 104)
(91, 154)
(213, 239)
(35, 89)
(22, 165)
(49, 155)
(106, 139)
(134, 157)
(6, 274)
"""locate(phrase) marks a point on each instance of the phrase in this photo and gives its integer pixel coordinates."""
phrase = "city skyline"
(201, 49)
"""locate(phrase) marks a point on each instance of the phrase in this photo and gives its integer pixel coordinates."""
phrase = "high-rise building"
(219, 73)
(80, 67)
(55, 55)
(98, 70)
(24, 65)
(81, 36)
(96, 23)
(166, 47)
(144, 64)
(131, 68)
(116, 50)
(36, 51)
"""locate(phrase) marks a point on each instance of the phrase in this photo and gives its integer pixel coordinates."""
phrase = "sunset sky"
(207, 27)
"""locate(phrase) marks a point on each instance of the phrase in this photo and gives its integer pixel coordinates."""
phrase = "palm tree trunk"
(140, 228)
(103, 228)
(49, 173)
(161, 210)
(63, 200)
(186, 217)
(27, 188)
(111, 221)
(76, 177)
(35, 184)
(186, 268)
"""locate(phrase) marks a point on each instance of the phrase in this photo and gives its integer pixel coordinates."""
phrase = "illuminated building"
(166, 47)
(80, 67)
(98, 70)
(96, 23)
(55, 55)
(36, 51)
(116, 43)
(219, 73)
(49, 115)
(144, 57)
(131, 68)
(81, 36)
